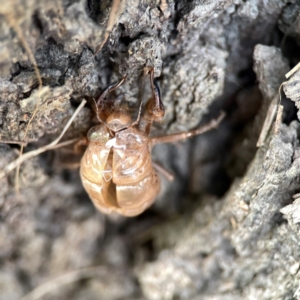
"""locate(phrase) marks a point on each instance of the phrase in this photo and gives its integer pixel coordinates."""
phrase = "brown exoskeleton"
(116, 169)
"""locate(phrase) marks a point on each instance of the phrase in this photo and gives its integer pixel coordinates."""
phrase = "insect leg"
(82, 142)
(184, 135)
(168, 175)
(140, 100)
(109, 89)
(155, 106)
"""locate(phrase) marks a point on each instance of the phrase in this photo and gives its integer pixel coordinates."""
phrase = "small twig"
(137, 121)
(115, 12)
(268, 122)
(13, 142)
(53, 145)
(11, 19)
(274, 106)
(13, 23)
(60, 281)
(291, 72)
(278, 118)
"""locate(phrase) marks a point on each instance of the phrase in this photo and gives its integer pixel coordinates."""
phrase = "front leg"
(83, 142)
(155, 106)
(108, 90)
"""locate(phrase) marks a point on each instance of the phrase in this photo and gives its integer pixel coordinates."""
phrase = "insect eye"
(98, 133)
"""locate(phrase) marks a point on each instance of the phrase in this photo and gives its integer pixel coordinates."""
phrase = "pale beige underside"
(120, 180)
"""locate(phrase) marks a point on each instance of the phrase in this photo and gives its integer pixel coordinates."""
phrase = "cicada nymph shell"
(117, 172)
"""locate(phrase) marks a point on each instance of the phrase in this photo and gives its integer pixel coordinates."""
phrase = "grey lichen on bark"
(226, 248)
(219, 231)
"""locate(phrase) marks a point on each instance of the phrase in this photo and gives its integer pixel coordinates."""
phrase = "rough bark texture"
(228, 226)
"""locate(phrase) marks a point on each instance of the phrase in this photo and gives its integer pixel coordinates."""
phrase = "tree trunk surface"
(228, 226)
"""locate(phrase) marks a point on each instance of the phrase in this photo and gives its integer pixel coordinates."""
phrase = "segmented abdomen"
(120, 179)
